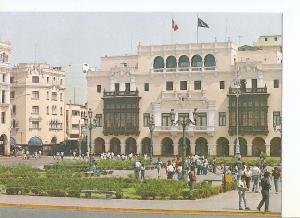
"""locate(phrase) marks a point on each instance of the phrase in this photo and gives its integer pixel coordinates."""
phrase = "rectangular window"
(61, 81)
(14, 110)
(266, 39)
(243, 84)
(61, 111)
(127, 87)
(47, 95)
(169, 85)
(3, 118)
(54, 96)
(197, 85)
(276, 83)
(146, 119)
(183, 85)
(222, 118)
(146, 87)
(35, 110)
(117, 87)
(275, 38)
(183, 116)
(254, 83)
(98, 88)
(11, 79)
(35, 124)
(12, 94)
(3, 78)
(3, 97)
(202, 119)
(35, 79)
(98, 120)
(75, 126)
(35, 95)
(61, 96)
(276, 118)
(75, 113)
(47, 79)
(222, 84)
(166, 119)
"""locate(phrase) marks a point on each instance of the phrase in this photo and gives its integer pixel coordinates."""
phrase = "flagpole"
(197, 29)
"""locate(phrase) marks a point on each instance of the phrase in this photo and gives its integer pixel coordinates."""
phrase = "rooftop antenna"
(74, 95)
(35, 46)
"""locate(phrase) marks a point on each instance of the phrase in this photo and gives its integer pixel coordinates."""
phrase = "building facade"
(129, 89)
(5, 54)
(37, 106)
(75, 130)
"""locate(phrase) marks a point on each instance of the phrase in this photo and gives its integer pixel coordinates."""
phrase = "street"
(46, 213)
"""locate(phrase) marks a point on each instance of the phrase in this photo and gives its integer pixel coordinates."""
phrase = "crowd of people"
(35, 155)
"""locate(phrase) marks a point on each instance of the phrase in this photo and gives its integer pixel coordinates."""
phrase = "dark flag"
(201, 23)
(174, 25)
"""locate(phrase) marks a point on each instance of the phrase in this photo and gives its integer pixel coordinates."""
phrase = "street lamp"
(151, 128)
(237, 92)
(184, 123)
(91, 125)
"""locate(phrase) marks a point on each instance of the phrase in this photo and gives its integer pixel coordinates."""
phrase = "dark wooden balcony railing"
(249, 130)
(248, 90)
(121, 130)
(120, 93)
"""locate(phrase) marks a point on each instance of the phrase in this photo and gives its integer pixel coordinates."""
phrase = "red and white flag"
(174, 25)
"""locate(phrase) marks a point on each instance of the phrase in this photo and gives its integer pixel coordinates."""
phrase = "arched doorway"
(35, 144)
(146, 145)
(201, 146)
(130, 146)
(3, 142)
(115, 146)
(180, 146)
(275, 150)
(167, 148)
(243, 146)
(258, 146)
(222, 147)
(99, 146)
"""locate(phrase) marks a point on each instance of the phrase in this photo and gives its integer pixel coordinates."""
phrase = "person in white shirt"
(248, 174)
(241, 190)
(256, 176)
(137, 169)
(170, 170)
(159, 165)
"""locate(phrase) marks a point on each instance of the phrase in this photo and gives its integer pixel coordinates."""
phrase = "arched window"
(158, 64)
(184, 63)
(171, 63)
(209, 62)
(197, 63)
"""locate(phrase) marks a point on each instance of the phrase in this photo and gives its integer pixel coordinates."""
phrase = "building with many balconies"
(5, 53)
(37, 106)
(129, 89)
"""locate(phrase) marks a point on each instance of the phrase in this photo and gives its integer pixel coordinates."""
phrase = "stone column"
(249, 150)
(122, 86)
(107, 147)
(211, 110)
(156, 113)
(139, 148)
(175, 146)
(193, 147)
(231, 149)
(132, 83)
(212, 149)
(7, 148)
(268, 149)
(122, 148)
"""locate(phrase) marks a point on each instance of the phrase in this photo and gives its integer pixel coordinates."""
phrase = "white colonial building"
(129, 89)
(5, 54)
(37, 105)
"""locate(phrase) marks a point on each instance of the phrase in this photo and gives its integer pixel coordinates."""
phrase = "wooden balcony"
(121, 131)
(121, 94)
(249, 130)
(232, 91)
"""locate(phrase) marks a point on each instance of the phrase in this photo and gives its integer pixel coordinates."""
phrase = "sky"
(69, 39)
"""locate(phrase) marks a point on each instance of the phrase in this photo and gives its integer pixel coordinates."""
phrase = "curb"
(144, 211)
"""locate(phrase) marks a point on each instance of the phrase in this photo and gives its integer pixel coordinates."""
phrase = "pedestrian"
(205, 166)
(248, 175)
(255, 176)
(276, 177)
(179, 171)
(241, 190)
(143, 172)
(62, 155)
(74, 154)
(214, 165)
(170, 170)
(191, 183)
(198, 163)
(40, 153)
(137, 169)
(159, 165)
(265, 188)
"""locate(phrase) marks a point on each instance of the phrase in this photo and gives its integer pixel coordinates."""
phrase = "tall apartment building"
(37, 105)
(129, 89)
(5, 52)
(75, 130)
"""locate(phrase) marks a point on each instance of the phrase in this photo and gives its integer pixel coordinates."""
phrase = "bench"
(88, 193)
(106, 172)
(210, 181)
(89, 173)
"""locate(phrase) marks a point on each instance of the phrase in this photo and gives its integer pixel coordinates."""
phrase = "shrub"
(13, 190)
(73, 193)
(57, 193)
(119, 195)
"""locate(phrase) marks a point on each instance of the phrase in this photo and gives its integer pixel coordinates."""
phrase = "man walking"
(276, 177)
(255, 175)
(241, 190)
(265, 188)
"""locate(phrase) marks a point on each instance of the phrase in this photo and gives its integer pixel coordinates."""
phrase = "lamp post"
(237, 93)
(277, 126)
(91, 125)
(151, 128)
(184, 123)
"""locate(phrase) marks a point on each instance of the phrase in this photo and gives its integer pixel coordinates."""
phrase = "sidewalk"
(224, 202)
